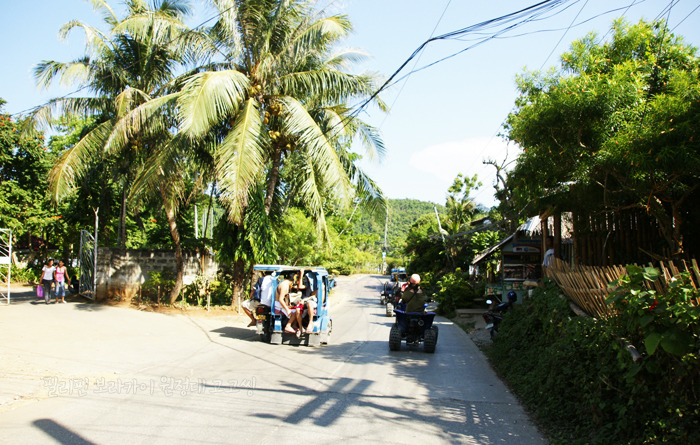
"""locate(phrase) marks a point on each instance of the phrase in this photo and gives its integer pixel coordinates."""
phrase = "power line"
(562, 36)
(684, 18)
(415, 64)
(523, 14)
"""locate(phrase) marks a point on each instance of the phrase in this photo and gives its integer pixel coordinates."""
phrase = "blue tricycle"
(271, 321)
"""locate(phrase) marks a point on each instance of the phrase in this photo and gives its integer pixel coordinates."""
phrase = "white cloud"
(446, 160)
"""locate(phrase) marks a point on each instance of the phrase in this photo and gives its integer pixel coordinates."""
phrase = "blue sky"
(444, 119)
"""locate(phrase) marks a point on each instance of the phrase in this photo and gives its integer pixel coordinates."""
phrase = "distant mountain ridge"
(403, 213)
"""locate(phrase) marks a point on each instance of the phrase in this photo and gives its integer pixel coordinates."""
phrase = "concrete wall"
(120, 273)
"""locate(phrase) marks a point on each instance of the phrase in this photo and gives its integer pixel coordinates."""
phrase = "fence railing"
(587, 286)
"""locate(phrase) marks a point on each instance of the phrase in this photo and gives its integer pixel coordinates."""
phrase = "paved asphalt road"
(81, 374)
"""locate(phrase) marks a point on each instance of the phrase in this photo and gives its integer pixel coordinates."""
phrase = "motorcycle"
(495, 314)
(262, 315)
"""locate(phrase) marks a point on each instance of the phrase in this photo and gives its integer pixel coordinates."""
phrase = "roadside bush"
(25, 274)
(578, 377)
(158, 286)
(196, 292)
(455, 290)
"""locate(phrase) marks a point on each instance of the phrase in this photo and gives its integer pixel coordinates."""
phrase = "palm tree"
(280, 94)
(461, 208)
(272, 98)
(131, 66)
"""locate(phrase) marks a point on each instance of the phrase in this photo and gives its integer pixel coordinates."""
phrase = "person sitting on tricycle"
(282, 298)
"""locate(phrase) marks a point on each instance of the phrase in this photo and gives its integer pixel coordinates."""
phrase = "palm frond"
(344, 59)
(44, 116)
(129, 99)
(320, 33)
(108, 14)
(366, 189)
(154, 27)
(329, 86)
(144, 120)
(208, 98)
(95, 40)
(159, 164)
(240, 159)
(226, 28)
(79, 71)
(72, 164)
(370, 137)
(298, 122)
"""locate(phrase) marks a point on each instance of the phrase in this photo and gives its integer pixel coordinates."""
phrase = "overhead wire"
(415, 64)
(562, 36)
(684, 18)
(487, 24)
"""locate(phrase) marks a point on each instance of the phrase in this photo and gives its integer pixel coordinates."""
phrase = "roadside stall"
(519, 263)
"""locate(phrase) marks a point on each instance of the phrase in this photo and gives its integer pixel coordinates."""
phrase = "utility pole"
(196, 223)
(442, 235)
(94, 267)
(386, 229)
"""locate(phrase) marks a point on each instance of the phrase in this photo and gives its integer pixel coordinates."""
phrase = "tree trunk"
(274, 176)
(239, 275)
(172, 223)
(121, 237)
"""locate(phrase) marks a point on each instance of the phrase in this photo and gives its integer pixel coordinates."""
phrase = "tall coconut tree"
(131, 65)
(280, 91)
(273, 95)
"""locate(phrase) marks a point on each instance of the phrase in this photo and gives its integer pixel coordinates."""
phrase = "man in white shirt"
(549, 254)
(260, 293)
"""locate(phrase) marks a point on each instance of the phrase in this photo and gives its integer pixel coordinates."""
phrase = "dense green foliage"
(614, 128)
(444, 265)
(403, 213)
(24, 165)
(578, 377)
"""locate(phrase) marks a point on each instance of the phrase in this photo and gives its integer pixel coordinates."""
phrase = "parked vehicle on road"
(415, 328)
(390, 292)
(494, 315)
(271, 321)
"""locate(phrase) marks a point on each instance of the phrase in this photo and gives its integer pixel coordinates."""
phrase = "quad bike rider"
(391, 293)
(412, 322)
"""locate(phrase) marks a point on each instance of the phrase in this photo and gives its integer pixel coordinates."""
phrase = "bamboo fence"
(589, 286)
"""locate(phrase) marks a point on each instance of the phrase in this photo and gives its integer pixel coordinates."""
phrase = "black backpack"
(257, 290)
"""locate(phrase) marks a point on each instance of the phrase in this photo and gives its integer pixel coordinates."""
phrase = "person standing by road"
(46, 279)
(549, 254)
(60, 275)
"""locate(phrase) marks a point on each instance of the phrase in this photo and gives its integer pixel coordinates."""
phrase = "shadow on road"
(60, 433)
(248, 334)
(457, 419)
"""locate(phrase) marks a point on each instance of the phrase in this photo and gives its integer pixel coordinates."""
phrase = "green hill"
(402, 214)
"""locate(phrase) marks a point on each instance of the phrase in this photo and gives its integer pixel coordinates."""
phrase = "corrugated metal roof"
(486, 253)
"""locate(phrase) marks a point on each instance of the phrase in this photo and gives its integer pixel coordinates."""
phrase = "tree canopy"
(613, 128)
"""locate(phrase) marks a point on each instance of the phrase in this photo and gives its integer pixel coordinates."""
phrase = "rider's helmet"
(512, 296)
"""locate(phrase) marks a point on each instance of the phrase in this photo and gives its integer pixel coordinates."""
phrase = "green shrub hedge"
(580, 380)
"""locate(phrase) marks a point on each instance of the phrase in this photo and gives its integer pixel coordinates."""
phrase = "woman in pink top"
(60, 275)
